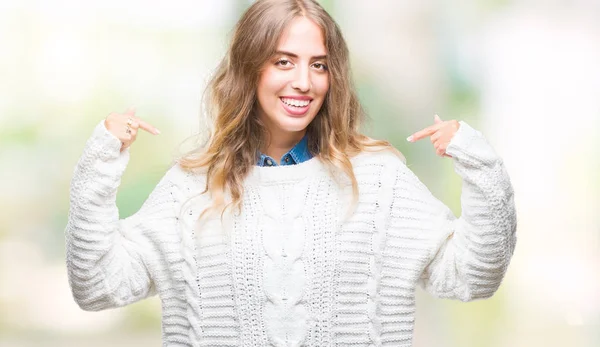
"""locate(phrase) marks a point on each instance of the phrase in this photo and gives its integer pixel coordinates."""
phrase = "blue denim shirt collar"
(298, 154)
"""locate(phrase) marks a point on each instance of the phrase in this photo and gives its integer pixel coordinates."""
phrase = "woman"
(289, 227)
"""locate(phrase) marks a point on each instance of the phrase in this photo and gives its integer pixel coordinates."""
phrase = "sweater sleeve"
(109, 260)
(466, 258)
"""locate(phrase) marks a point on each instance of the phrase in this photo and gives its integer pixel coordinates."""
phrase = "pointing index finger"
(424, 133)
(149, 128)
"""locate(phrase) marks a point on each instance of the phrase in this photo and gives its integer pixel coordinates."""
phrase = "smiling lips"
(297, 105)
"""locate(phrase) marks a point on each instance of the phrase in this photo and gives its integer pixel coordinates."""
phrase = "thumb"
(437, 119)
(130, 111)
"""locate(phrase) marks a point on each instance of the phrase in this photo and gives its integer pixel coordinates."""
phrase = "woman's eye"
(321, 66)
(283, 62)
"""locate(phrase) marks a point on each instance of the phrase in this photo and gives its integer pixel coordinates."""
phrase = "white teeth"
(294, 102)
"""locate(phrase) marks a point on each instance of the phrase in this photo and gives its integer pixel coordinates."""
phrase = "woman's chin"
(293, 129)
(294, 124)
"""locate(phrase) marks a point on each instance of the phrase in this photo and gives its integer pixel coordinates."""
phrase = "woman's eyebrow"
(296, 56)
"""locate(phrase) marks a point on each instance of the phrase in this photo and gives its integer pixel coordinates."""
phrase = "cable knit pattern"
(289, 269)
(283, 276)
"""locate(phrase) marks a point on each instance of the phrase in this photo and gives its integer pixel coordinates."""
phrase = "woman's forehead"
(302, 37)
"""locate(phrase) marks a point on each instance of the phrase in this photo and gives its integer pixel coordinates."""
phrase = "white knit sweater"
(288, 270)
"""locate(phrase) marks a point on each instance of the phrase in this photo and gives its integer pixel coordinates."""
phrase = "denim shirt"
(298, 154)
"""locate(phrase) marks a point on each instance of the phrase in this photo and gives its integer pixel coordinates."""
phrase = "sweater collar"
(286, 173)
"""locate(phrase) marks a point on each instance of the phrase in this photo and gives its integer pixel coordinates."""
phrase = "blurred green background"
(525, 73)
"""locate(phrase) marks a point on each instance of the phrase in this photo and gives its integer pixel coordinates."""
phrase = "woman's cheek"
(323, 84)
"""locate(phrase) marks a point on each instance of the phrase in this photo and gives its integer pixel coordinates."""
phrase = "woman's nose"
(301, 80)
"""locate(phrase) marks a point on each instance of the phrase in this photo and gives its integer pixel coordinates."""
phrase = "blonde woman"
(288, 227)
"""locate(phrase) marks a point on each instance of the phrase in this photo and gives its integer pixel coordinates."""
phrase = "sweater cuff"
(463, 137)
(470, 146)
(107, 144)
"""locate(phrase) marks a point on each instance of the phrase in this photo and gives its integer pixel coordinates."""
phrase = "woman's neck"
(281, 144)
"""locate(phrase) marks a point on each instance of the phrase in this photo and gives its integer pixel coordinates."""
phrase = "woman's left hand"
(441, 133)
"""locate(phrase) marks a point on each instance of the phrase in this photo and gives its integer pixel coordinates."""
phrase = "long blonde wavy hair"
(236, 132)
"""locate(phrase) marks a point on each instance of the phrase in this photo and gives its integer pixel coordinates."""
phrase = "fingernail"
(410, 138)
(156, 131)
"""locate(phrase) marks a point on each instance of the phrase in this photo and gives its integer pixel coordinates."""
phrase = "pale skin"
(297, 69)
(440, 134)
(119, 123)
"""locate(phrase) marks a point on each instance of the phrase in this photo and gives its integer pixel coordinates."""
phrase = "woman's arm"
(108, 260)
(466, 257)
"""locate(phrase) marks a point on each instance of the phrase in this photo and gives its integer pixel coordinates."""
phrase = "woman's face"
(293, 84)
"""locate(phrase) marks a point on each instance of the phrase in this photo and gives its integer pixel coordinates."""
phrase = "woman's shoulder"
(389, 158)
(185, 178)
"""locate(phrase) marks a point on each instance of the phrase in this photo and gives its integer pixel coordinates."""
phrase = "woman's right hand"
(124, 126)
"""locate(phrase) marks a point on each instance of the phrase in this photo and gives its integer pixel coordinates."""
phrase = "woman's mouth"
(295, 107)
